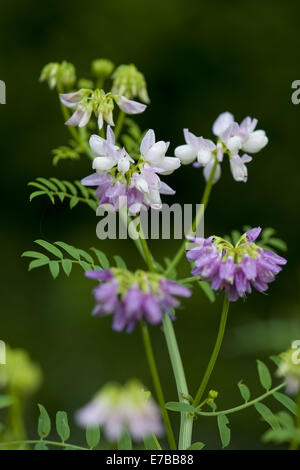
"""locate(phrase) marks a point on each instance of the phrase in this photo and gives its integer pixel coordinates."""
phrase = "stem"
(215, 353)
(197, 219)
(119, 124)
(157, 384)
(186, 425)
(147, 253)
(244, 405)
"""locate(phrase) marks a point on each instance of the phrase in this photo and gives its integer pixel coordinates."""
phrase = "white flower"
(222, 123)
(256, 141)
(155, 154)
(238, 168)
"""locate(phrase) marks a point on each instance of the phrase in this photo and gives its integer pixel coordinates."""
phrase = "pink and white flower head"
(119, 408)
(86, 101)
(131, 297)
(232, 139)
(289, 368)
(235, 269)
(117, 174)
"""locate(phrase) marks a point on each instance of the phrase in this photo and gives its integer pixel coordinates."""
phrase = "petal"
(147, 142)
(129, 106)
(186, 153)
(97, 145)
(222, 122)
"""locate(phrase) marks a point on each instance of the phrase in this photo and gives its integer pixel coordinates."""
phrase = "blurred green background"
(199, 58)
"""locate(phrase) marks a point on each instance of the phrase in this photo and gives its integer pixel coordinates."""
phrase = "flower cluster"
(131, 297)
(232, 138)
(119, 409)
(86, 101)
(128, 81)
(61, 75)
(235, 269)
(117, 174)
(289, 368)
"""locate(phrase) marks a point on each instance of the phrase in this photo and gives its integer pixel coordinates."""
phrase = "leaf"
(103, 260)
(286, 401)
(47, 183)
(207, 290)
(277, 243)
(40, 446)
(267, 415)
(85, 266)
(245, 392)
(92, 436)
(62, 425)
(224, 430)
(264, 375)
(180, 406)
(196, 446)
(235, 236)
(151, 443)
(5, 401)
(125, 443)
(59, 184)
(276, 360)
(67, 266)
(37, 263)
(44, 423)
(49, 247)
(69, 249)
(82, 189)
(73, 202)
(36, 194)
(120, 263)
(267, 233)
(34, 254)
(86, 256)
(71, 187)
(54, 268)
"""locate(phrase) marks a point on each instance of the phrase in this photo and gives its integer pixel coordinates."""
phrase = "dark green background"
(200, 58)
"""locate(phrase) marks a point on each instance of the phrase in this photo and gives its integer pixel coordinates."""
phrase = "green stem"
(244, 405)
(186, 425)
(50, 443)
(119, 124)
(215, 353)
(196, 220)
(157, 384)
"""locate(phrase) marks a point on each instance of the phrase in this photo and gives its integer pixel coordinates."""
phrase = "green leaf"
(69, 249)
(207, 290)
(245, 392)
(71, 187)
(93, 204)
(62, 425)
(224, 430)
(151, 443)
(59, 184)
(264, 375)
(125, 443)
(267, 415)
(85, 266)
(37, 263)
(196, 446)
(276, 360)
(92, 436)
(286, 401)
(235, 236)
(82, 189)
(49, 247)
(73, 202)
(277, 243)
(120, 263)
(103, 260)
(5, 401)
(54, 268)
(40, 446)
(34, 254)
(67, 266)
(267, 233)
(44, 423)
(47, 183)
(180, 406)
(86, 256)
(36, 194)
(39, 186)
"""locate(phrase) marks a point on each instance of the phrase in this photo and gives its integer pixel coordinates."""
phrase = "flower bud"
(102, 68)
(129, 82)
(256, 141)
(86, 83)
(61, 75)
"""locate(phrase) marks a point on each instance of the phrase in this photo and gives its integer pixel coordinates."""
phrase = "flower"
(102, 68)
(232, 138)
(130, 82)
(235, 269)
(61, 75)
(119, 409)
(86, 101)
(289, 367)
(117, 174)
(131, 297)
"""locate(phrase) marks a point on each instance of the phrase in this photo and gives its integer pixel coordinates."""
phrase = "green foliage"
(245, 392)
(224, 430)
(266, 240)
(65, 152)
(92, 436)
(196, 446)
(75, 192)
(286, 401)
(44, 423)
(267, 415)
(181, 407)
(264, 375)
(125, 443)
(207, 291)
(151, 443)
(77, 256)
